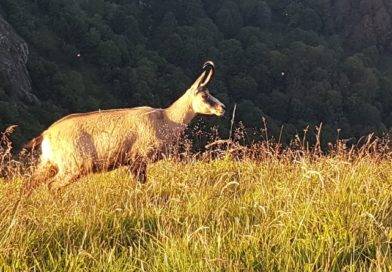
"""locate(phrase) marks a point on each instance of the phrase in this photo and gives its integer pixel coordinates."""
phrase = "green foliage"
(108, 53)
(295, 62)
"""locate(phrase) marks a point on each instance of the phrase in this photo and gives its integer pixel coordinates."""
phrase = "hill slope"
(327, 215)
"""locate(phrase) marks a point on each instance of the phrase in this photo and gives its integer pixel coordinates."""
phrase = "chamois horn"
(211, 66)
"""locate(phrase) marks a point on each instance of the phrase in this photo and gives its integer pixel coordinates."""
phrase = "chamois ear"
(206, 75)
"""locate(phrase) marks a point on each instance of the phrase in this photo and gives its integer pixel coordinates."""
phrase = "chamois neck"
(181, 111)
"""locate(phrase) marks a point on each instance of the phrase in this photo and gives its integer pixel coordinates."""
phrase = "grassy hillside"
(323, 214)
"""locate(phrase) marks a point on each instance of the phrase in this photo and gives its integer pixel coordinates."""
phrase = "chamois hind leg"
(62, 179)
(44, 172)
(138, 168)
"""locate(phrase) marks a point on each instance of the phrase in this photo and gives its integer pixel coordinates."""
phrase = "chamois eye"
(204, 96)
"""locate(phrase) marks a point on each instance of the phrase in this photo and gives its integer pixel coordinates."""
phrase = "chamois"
(103, 140)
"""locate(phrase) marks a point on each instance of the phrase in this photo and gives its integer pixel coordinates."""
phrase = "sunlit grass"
(325, 215)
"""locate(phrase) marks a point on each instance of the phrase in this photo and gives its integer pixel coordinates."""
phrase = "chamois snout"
(220, 109)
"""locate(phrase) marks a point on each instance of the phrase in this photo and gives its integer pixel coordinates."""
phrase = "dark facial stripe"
(211, 102)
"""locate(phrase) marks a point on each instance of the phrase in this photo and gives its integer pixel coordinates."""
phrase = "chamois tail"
(31, 145)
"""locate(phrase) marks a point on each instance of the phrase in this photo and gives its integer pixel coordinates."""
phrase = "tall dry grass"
(232, 208)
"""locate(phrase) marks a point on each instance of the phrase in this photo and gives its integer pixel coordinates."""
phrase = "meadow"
(287, 210)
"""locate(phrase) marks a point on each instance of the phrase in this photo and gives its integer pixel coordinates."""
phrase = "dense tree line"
(296, 63)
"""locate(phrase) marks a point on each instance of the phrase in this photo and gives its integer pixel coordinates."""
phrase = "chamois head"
(202, 101)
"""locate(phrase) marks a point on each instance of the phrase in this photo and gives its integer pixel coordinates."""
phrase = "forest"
(295, 63)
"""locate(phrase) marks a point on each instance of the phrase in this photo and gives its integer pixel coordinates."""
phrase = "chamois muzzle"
(220, 110)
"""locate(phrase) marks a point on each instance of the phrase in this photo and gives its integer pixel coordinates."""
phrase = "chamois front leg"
(138, 168)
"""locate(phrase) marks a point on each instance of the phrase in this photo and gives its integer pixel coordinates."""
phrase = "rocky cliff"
(13, 58)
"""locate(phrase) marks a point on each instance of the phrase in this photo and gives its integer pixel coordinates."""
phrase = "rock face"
(13, 58)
